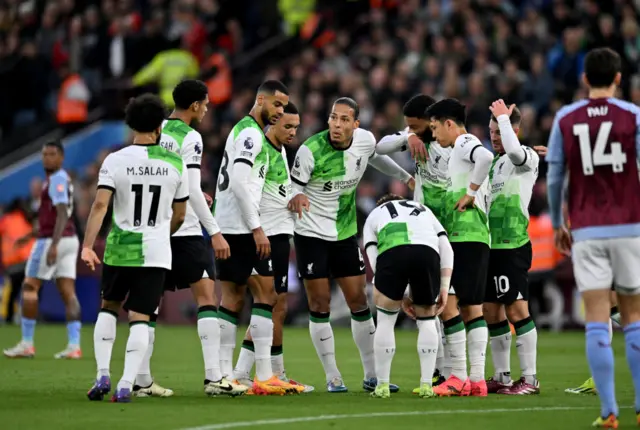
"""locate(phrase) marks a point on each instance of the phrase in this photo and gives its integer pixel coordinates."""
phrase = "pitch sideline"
(292, 420)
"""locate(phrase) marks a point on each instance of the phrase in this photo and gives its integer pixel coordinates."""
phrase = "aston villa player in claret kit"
(53, 256)
(597, 141)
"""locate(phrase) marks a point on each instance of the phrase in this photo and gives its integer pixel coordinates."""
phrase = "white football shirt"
(145, 181)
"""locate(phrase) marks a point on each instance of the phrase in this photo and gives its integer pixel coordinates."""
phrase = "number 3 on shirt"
(616, 158)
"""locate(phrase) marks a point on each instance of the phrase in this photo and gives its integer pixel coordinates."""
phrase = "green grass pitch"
(47, 393)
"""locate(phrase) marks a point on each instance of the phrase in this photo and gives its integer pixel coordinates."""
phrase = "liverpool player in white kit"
(247, 161)
(192, 263)
(407, 245)
(326, 172)
(597, 142)
(150, 190)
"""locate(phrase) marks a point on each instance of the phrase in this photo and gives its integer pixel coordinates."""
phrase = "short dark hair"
(272, 86)
(417, 106)
(601, 65)
(348, 101)
(55, 144)
(515, 118)
(447, 109)
(292, 109)
(388, 198)
(189, 92)
(145, 113)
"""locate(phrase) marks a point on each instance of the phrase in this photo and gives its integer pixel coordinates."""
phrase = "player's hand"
(498, 108)
(407, 307)
(52, 255)
(411, 183)
(541, 150)
(263, 246)
(441, 303)
(208, 199)
(298, 203)
(417, 149)
(90, 258)
(465, 202)
(220, 246)
(563, 240)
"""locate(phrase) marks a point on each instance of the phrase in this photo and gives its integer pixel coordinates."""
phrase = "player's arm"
(301, 172)
(192, 156)
(370, 239)
(99, 208)
(401, 141)
(59, 193)
(446, 267)
(512, 147)
(248, 146)
(555, 173)
(179, 205)
(384, 164)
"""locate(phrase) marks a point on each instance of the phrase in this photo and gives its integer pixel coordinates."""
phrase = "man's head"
(287, 126)
(271, 99)
(144, 114)
(343, 119)
(388, 198)
(414, 116)
(447, 120)
(191, 97)
(494, 129)
(52, 156)
(602, 69)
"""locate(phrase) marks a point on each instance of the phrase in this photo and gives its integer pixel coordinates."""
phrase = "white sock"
(143, 378)
(322, 338)
(477, 339)
(440, 363)
(104, 334)
(526, 345)
(209, 332)
(277, 361)
(228, 327)
(136, 349)
(446, 367)
(261, 326)
(500, 341)
(363, 330)
(427, 348)
(457, 348)
(384, 344)
(245, 361)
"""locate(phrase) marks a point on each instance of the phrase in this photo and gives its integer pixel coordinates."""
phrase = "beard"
(264, 116)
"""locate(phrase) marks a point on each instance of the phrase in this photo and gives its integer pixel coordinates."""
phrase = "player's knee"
(493, 313)
(319, 302)
(517, 311)
(470, 312)
(110, 306)
(203, 293)
(30, 291)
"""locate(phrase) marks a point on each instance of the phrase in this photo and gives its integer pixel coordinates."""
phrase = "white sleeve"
(445, 251)
(370, 238)
(248, 145)
(386, 165)
(106, 176)
(392, 143)
(240, 179)
(199, 203)
(303, 166)
(482, 159)
(512, 147)
(191, 151)
(182, 192)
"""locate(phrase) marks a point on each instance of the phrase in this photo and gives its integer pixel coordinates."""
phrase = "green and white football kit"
(431, 176)
(512, 177)
(145, 181)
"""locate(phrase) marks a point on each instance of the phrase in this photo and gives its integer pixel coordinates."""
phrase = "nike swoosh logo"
(107, 338)
(322, 340)
(373, 332)
(227, 387)
(363, 267)
(130, 350)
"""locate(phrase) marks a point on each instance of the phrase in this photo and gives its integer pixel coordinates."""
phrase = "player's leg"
(65, 275)
(17, 279)
(36, 272)
(313, 267)
(233, 275)
(625, 258)
(500, 343)
(113, 292)
(526, 346)
(455, 349)
(347, 267)
(594, 276)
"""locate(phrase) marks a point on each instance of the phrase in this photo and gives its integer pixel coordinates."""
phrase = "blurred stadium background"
(67, 68)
